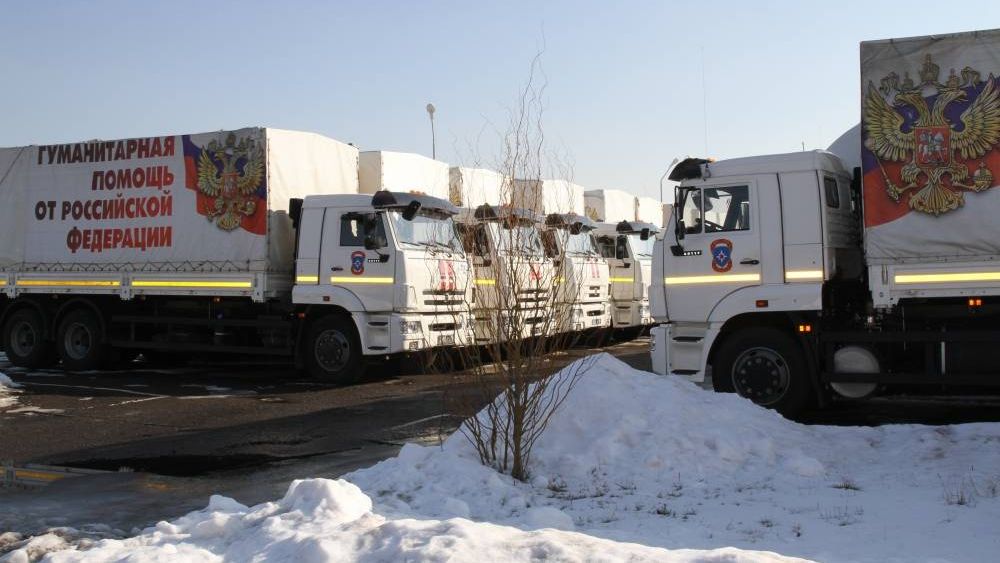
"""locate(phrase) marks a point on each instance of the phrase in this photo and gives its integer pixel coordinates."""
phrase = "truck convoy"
(215, 242)
(512, 276)
(582, 278)
(785, 276)
(626, 243)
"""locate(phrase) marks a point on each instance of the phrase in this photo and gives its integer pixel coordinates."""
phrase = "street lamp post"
(669, 168)
(430, 112)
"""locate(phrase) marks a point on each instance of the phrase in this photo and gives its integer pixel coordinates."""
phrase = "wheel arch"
(84, 304)
(784, 321)
(33, 304)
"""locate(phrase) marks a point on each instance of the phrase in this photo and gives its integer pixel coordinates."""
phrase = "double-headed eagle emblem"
(230, 174)
(914, 122)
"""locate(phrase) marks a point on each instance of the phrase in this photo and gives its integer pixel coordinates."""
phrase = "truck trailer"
(789, 276)
(252, 242)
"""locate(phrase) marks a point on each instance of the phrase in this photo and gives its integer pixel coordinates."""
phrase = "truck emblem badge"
(535, 273)
(722, 255)
(446, 276)
(229, 179)
(948, 127)
(357, 262)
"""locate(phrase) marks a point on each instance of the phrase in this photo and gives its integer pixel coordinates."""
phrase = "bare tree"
(521, 296)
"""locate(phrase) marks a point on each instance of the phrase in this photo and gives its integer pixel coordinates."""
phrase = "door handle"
(750, 261)
(336, 269)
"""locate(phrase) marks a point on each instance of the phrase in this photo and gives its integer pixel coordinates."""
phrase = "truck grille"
(444, 297)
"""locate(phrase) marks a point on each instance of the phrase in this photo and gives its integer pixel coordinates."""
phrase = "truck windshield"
(426, 231)
(580, 243)
(519, 239)
(641, 248)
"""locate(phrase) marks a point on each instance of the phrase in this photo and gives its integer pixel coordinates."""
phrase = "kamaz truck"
(253, 242)
(628, 249)
(788, 278)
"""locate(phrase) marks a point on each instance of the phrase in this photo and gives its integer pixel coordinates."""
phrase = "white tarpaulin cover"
(609, 206)
(472, 187)
(204, 202)
(930, 136)
(403, 172)
(649, 210)
(549, 196)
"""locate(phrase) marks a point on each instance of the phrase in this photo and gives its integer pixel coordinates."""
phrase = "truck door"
(721, 249)
(344, 261)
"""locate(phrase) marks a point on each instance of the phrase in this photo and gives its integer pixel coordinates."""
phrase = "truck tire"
(24, 340)
(80, 341)
(333, 350)
(766, 366)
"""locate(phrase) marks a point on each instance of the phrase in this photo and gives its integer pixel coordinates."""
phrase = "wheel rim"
(333, 350)
(761, 375)
(23, 339)
(78, 341)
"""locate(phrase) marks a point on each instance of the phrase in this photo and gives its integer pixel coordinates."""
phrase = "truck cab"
(741, 269)
(513, 277)
(628, 249)
(582, 277)
(378, 275)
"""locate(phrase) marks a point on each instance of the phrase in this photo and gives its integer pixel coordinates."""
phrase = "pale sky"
(628, 82)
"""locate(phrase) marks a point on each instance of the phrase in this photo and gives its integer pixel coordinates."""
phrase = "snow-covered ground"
(8, 393)
(633, 467)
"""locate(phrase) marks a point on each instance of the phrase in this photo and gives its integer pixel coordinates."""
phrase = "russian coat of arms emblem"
(940, 130)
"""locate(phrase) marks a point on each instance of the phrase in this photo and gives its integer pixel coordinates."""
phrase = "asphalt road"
(192, 420)
(246, 430)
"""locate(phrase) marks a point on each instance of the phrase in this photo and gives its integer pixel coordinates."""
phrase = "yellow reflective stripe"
(948, 277)
(38, 475)
(622, 280)
(307, 279)
(804, 275)
(718, 278)
(486, 282)
(359, 279)
(3, 283)
(193, 284)
(70, 283)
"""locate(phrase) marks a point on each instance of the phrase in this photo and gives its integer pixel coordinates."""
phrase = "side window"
(607, 246)
(549, 242)
(832, 192)
(352, 229)
(691, 213)
(726, 209)
(482, 242)
(621, 248)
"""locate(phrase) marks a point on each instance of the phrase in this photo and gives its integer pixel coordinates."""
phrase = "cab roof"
(697, 170)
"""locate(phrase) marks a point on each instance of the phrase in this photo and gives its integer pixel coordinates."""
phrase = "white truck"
(787, 276)
(627, 245)
(628, 248)
(582, 276)
(512, 276)
(249, 242)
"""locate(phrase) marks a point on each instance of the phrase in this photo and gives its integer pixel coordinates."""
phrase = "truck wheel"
(79, 341)
(24, 340)
(766, 366)
(333, 350)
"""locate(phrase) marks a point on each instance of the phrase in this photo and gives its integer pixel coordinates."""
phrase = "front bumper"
(415, 332)
(630, 314)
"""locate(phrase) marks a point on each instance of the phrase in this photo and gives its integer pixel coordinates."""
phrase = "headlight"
(409, 327)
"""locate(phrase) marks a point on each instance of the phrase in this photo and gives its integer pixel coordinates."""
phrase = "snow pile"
(633, 467)
(326, 520)
(7, 392)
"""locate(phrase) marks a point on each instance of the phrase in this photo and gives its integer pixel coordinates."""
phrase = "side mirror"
(411, 210)
(644, 235)
(679, 229)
